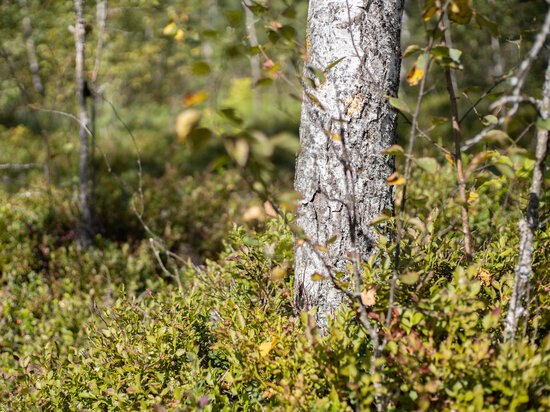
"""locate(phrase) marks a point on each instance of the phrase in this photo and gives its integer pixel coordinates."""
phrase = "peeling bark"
(527, 226)
(346, 122)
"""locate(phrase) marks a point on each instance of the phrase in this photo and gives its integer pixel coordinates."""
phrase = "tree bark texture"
(528, 225)
(346, 122)
(85, 230)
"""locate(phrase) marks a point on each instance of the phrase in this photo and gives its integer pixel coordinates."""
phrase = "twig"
(459, 170)
(102, 17)
(406, 174)
(529, 224)
(18, 166)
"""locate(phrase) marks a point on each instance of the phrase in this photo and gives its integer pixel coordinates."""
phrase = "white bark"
(343, 182)
(527, 226)
(31, 49)
(85, 230)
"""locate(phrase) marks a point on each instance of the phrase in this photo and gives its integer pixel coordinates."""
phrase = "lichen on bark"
(346, 123)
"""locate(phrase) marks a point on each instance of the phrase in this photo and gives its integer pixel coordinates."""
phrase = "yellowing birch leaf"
(450, 159)
(472, 196)
(192, 99)
(414, 75)
(395, 179)
(428, 13)
(170, 29)
(185, 121)
(368, 297)
(267, 347)
(484, 275)
(460, 11)
(179, 35)
(316, 277)
(278, 273)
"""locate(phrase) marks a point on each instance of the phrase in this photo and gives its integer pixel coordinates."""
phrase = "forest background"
(184, 298)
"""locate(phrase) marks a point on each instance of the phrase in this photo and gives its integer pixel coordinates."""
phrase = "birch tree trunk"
(346, 122)
(31, 49)
(529, 224)
(101, 16)
(85, 230)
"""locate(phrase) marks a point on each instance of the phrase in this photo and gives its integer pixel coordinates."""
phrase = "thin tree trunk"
(346, 122)
(528, 225)
(255, 58)
(497, 68)
(86, 228)
(31, 49)
(468, 249)
(101, 15)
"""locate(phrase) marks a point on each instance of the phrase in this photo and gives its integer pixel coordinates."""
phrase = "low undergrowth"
(108, 330)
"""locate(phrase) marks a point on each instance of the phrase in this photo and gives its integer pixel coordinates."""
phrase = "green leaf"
(506, 170)
(263, 81)
(289, 12)
(410, 278)
(411, 50)
(429, 164)
(234, 18)
(459, 11)
(288, 32)
(394, 150)
(489, 119)
(379, 219)
(230, 114)
(543, 124)
(319, 74)
(440, 51)
(201, 68)
(332, 240)
(250, 241)
(399, 104)
(334, 63)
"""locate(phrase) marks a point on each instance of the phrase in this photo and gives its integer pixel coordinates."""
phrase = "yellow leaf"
(414, 75)
(450, 158)
(238, 150)
(395, 179)
(185, 123)
(192, 99)
(278, 273)
(336, 137)
(429, 13)
(170, 29)
(321, 248)
(460, 11)
(316, 277)
(484, 275)
(267, 347)
(368, 297)
(300, 242)
(179, 35)
(254, 213)
(473, 196)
